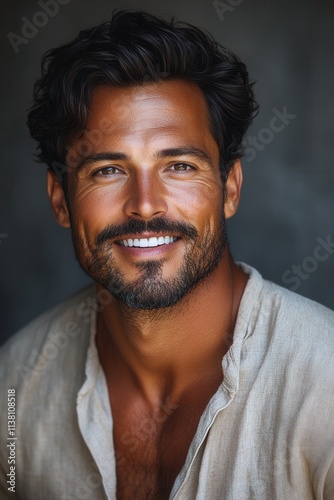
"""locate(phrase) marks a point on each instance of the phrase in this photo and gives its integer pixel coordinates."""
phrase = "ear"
(58, 200)
(233, 189)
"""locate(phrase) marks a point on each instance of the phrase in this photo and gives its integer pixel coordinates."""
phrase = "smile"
(147, 242)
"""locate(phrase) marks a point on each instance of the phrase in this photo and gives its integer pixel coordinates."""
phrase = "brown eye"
(181, 167)
(106, 171)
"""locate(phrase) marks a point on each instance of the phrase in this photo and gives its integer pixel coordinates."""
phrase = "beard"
(150, 290)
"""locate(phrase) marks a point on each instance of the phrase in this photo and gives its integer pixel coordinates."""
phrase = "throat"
(159, 365)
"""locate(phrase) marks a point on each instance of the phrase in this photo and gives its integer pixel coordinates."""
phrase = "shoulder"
(47, 338)
(289, 350)
(42, 368)
(288, 332)
(286, 313)
(301, 318)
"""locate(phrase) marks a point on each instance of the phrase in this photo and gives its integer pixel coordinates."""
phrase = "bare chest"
(151, 449)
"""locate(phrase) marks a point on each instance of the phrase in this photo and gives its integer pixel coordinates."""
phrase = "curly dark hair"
(135, 48)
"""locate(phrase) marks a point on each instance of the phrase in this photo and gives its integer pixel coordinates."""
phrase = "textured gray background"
(288, 197)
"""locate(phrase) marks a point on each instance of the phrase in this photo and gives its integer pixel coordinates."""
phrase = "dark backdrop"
(288, 203)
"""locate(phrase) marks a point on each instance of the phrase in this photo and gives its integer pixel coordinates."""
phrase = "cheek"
(199, 203)
(94, 209)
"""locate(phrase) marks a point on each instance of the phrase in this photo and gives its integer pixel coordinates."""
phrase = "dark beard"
(150, 290)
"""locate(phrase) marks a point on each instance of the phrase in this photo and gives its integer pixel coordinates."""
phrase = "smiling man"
(179, 373)
(159, 165)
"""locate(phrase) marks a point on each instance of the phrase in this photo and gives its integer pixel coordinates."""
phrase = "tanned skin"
(162, 366)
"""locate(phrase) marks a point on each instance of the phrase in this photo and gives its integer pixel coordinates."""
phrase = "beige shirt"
(267, 433)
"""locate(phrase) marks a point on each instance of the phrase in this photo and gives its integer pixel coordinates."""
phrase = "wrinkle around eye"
(86, 191)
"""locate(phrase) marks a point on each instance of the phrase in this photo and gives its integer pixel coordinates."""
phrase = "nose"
(146, 198)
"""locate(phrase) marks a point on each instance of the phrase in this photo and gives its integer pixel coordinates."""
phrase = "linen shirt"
(267, 433)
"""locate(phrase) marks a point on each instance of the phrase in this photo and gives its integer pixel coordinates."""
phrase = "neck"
(166, 351)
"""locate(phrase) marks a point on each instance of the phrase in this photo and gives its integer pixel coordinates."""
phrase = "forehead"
(173, 111)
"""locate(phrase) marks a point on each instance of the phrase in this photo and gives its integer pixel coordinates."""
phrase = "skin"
(161, 366)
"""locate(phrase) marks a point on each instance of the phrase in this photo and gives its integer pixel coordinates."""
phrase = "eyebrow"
(194, 152)
(107, 156)
(197, 153)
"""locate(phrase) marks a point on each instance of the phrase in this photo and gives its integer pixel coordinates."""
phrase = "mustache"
(137, 227)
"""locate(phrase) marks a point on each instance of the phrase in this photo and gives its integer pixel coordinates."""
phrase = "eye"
(106, 171)
(182, 167)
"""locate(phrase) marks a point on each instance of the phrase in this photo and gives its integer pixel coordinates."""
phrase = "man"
(180, 374)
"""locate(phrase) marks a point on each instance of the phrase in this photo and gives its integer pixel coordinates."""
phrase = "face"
(145, 193)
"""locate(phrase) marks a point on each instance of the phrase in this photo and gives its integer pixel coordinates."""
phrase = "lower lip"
(148, 251)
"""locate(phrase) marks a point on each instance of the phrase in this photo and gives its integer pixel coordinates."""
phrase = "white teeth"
(148, 242)
(153, 242)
